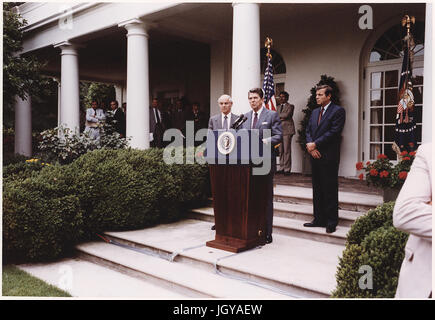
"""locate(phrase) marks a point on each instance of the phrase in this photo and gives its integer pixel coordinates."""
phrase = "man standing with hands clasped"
(286, 110)
(323, 143)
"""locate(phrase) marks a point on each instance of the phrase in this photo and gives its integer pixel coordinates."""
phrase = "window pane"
(418, 133)
(391, 97)
(376, 134)
(377, 80)
(390, 115)
(418, 114)
(417, 76)
(376, 98)
(376, 116)
(389, 133)
(389, 152)
(375, 56)
(418, 95)
(391, 78)
(375, 150)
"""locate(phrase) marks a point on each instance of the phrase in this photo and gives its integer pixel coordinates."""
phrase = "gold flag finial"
(407, 20)
(268, 43)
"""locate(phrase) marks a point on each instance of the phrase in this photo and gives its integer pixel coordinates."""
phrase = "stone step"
(177, 277)
(298, 267)
(303, 212)
(350, 201)
(287, 226)
(84, 279)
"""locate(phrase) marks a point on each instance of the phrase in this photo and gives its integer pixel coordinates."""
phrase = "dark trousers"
(325, 191)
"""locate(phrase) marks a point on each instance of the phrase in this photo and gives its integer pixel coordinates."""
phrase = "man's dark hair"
(116, 102)
(258, 91)
(285, 94)
(328, 91)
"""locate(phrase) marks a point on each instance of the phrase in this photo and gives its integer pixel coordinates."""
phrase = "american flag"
(268, 86)
(405, 135)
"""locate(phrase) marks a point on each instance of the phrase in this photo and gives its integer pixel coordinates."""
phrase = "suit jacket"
(327, 135)
(156, 130)
(413, 214)
(215, 122)
(286, 116)
(267, 120)
(119, 116)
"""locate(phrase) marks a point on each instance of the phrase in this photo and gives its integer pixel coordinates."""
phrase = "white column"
(69, 92)
(23, 126)
(118, 94)
(137, 84)
(59, 116)
(428, 71)
(246, 54)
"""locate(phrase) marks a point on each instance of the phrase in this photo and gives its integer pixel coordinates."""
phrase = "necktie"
(255, 120)
(226, 122)
(157, 115)
(320, 115)
(282, 106)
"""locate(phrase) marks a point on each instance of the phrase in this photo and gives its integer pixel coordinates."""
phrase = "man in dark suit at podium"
(224, 120)
(261, 118)
(323, 143)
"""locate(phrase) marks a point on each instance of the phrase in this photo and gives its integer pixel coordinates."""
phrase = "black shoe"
(214, 227)
(269, 239)
(313, 224)
(287, 173)
(279, 172)
(330, 229)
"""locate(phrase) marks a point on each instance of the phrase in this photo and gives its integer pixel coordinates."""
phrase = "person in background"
(118, 117)
(413, 214)
(94, 118)
(288, 130)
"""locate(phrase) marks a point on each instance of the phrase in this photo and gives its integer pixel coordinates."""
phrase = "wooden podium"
(239, 198)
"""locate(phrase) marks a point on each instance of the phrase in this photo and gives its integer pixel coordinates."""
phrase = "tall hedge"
(372, 241)
(50, 209)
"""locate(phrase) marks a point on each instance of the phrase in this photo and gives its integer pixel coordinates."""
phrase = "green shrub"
(372, 220)
(372, 241)
(50, 210)
(39, 220)
(23, 169)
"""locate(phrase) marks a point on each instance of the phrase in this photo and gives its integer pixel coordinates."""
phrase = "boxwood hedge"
(372, 242)
(47, 211)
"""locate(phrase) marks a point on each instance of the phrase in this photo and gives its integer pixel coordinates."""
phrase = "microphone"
(242, 121)
(236, 123)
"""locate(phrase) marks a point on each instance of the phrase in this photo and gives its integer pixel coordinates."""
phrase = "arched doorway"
(381, 82)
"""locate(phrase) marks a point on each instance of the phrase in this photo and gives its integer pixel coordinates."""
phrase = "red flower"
(403, 175)
(403, 153)
(373, 172)
(359, 166)
(368, 163)
(382, 156)
(413, 153)
(361, 176)
(384, 174)
(406, 159)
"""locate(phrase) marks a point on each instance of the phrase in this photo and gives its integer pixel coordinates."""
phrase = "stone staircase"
(299, 263)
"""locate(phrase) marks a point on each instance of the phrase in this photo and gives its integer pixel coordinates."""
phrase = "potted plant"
(383, 174)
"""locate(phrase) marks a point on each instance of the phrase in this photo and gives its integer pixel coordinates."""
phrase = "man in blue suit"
(323, 143)
(261, 118)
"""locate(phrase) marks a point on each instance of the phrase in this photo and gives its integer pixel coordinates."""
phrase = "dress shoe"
(330, 229)
(313, 224)
(287, 173)
(279, 172)
(214, 227)
(269, 239)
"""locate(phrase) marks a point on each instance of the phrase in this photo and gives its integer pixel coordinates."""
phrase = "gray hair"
(225, 97)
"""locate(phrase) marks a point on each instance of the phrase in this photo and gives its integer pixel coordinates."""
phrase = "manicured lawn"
(19, 283)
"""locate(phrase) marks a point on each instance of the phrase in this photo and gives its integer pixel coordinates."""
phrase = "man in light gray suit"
(286, 110)
(225, 119)
(413, 214)
(261, 118)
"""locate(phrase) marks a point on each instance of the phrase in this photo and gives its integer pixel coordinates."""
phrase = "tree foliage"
(21, 73)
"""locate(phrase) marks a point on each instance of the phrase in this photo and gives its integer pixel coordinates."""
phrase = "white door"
(380, 106)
